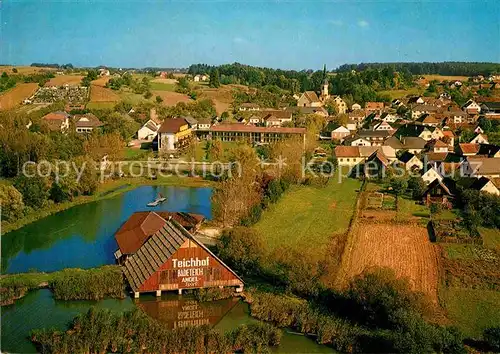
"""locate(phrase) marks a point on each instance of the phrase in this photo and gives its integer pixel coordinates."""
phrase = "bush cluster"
(99, 331)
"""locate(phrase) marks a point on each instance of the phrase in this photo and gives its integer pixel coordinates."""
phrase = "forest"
(444, 68)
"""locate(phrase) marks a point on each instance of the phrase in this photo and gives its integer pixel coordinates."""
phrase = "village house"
(383, 126)
(352, 125)
(276, 118)
(375, 137)
(410, 161)
(491, 109)
(489, 150)
(449, 138)
(255, 119)
(200, 77)
(430, 175)
(428, 119)
(86, 123)
(173, 260)
(415, 130)
(374, 107)
(481, 184)
(440, 192)
(351, 156)
(341, 105)
(358, 115)
(471, 107)
(457, 115)
(479, 139)
(355, 107)
(249, 107)
(253, 134)
(468, 149)
(309, 99)
(376, 164)
(340, 132)
(415, 100)
(148, 131)
(476, 166)
(389, 117)
(437, 146)
(57, 121)
(174, 134)
(421, 109)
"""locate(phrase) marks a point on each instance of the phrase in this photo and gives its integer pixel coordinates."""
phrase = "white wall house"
(148, 131)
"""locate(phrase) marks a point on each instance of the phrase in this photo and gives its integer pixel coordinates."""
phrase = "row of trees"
(443, 68)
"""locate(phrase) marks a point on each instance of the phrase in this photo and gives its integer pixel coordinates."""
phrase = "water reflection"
(83, 236)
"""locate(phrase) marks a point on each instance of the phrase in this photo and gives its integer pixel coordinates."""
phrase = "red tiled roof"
(56, 116)
(374, 105)
(172, 125)
(347, 151)
(468, 148)
(242, 128)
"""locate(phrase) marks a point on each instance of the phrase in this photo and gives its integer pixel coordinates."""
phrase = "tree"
(14, 70)
(159, 99)
(148, 95)
(399, 185)
(214, 79)
(11, 202)
(35, 190)
(417, 187)
(242, 248)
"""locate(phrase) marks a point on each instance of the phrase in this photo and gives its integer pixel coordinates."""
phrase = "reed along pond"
(83, 237)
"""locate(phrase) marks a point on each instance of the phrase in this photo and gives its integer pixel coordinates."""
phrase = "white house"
(341, 105)
(148, 131)
(360, 142)
(355, 107)
(471, 107)
(480, 139)
(430, 175)
(383, 126)
(340, 133)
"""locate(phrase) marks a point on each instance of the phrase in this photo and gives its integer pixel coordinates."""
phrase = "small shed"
(173, 259)
(440, 192)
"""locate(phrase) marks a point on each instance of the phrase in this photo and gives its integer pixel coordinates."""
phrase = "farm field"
(23, 70)
(222, 96)
(446, 78)
(61, 80)
(393, 94)
(161, 86)
(307, 215)
(102, 94)
(16, 95)
(171, 98)
(102, 81)
(471, 310)
(404, 248)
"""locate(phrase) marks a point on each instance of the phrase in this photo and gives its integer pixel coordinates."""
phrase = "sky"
(279, 34)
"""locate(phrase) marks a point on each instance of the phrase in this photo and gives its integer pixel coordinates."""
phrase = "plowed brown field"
(16, 95)
(404, 248)
(60, 80)
(102, 81)
(103, 94)
(171, 98)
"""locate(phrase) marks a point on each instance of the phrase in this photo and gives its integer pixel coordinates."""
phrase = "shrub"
(492, 337)
(242, 248)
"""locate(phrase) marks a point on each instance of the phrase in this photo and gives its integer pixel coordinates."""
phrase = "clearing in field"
(61, 80)
(309, 216)
(222, 96)
(17, 95)
(103, 94)
(171, 98)
(404, 248)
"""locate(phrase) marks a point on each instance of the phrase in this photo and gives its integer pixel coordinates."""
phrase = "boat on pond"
(160, 199)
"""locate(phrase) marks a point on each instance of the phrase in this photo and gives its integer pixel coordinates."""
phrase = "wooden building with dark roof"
(173, 259)
(143, 224)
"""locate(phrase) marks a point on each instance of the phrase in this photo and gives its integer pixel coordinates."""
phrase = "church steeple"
(324, 90)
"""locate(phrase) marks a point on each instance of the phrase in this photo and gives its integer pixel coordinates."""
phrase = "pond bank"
(106, 190)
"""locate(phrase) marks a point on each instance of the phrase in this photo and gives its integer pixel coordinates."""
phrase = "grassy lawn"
(472, 310)
(491, 238)
(160, 86)
(135, 154)
(308, 216)
(101, 105)
(464, 251)
(408, 208)
(131, 97)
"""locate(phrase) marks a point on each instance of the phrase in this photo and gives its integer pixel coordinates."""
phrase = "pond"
(83, 236)
(38, 309)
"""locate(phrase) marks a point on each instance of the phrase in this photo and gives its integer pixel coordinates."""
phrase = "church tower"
(325, 95)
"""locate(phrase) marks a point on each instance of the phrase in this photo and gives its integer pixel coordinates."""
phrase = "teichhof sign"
(190, 272)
